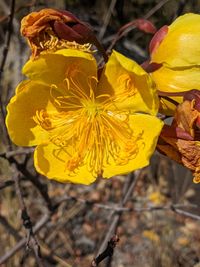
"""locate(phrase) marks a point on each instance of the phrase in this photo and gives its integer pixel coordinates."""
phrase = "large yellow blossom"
(84, 126)
(177, 50)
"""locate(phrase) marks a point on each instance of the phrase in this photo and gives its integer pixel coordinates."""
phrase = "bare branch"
(116, 215)
(107, 18)
(40, 224)
(108, 252)
(17, 152)
(31, 240)
(120, 34)
(3, 61)
(9, 228)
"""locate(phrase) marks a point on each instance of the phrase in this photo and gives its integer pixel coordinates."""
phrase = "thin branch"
(42, 188)
(108, 252)
(107, 18)
(8, 37)
(116, 216)
(118, 208)
(3, 61)
(31, 240)
(49, 253)
(9, 228)
(19, 151)
(120, 34)
(40, 224)
(185, 213)
(6, 184)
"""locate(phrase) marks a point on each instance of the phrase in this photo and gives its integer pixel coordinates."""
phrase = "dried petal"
(50, 29)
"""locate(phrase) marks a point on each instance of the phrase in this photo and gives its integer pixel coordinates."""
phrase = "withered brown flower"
(50, 29)
(180, 141)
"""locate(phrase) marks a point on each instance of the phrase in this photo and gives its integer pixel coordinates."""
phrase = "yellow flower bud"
(176, 48)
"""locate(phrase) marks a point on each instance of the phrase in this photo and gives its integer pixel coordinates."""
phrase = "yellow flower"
(177, 49)
(151, 235)
(156, 197)
(85, 126)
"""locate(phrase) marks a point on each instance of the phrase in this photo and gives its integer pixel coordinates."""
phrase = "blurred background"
(155, 211)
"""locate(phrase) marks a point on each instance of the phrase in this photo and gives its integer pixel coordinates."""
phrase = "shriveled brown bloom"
(50, 29)
(180, 141)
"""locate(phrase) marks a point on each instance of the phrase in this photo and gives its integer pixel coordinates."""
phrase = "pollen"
(47, 42)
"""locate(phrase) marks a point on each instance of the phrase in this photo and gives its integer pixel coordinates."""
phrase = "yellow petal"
(180, 46)
(129, 85)
(50, 160)
(149, 127)
(22, 128)
(52, 68)
(175, 80)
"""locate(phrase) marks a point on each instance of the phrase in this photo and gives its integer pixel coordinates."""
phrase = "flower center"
(92, 108)
(91, 132)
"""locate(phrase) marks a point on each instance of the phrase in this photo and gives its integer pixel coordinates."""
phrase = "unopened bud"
(145, 26)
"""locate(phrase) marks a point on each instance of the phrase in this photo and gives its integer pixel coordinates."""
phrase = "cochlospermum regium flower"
(181, 140)
(51, 29)
(175, 57)
(85, 126)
